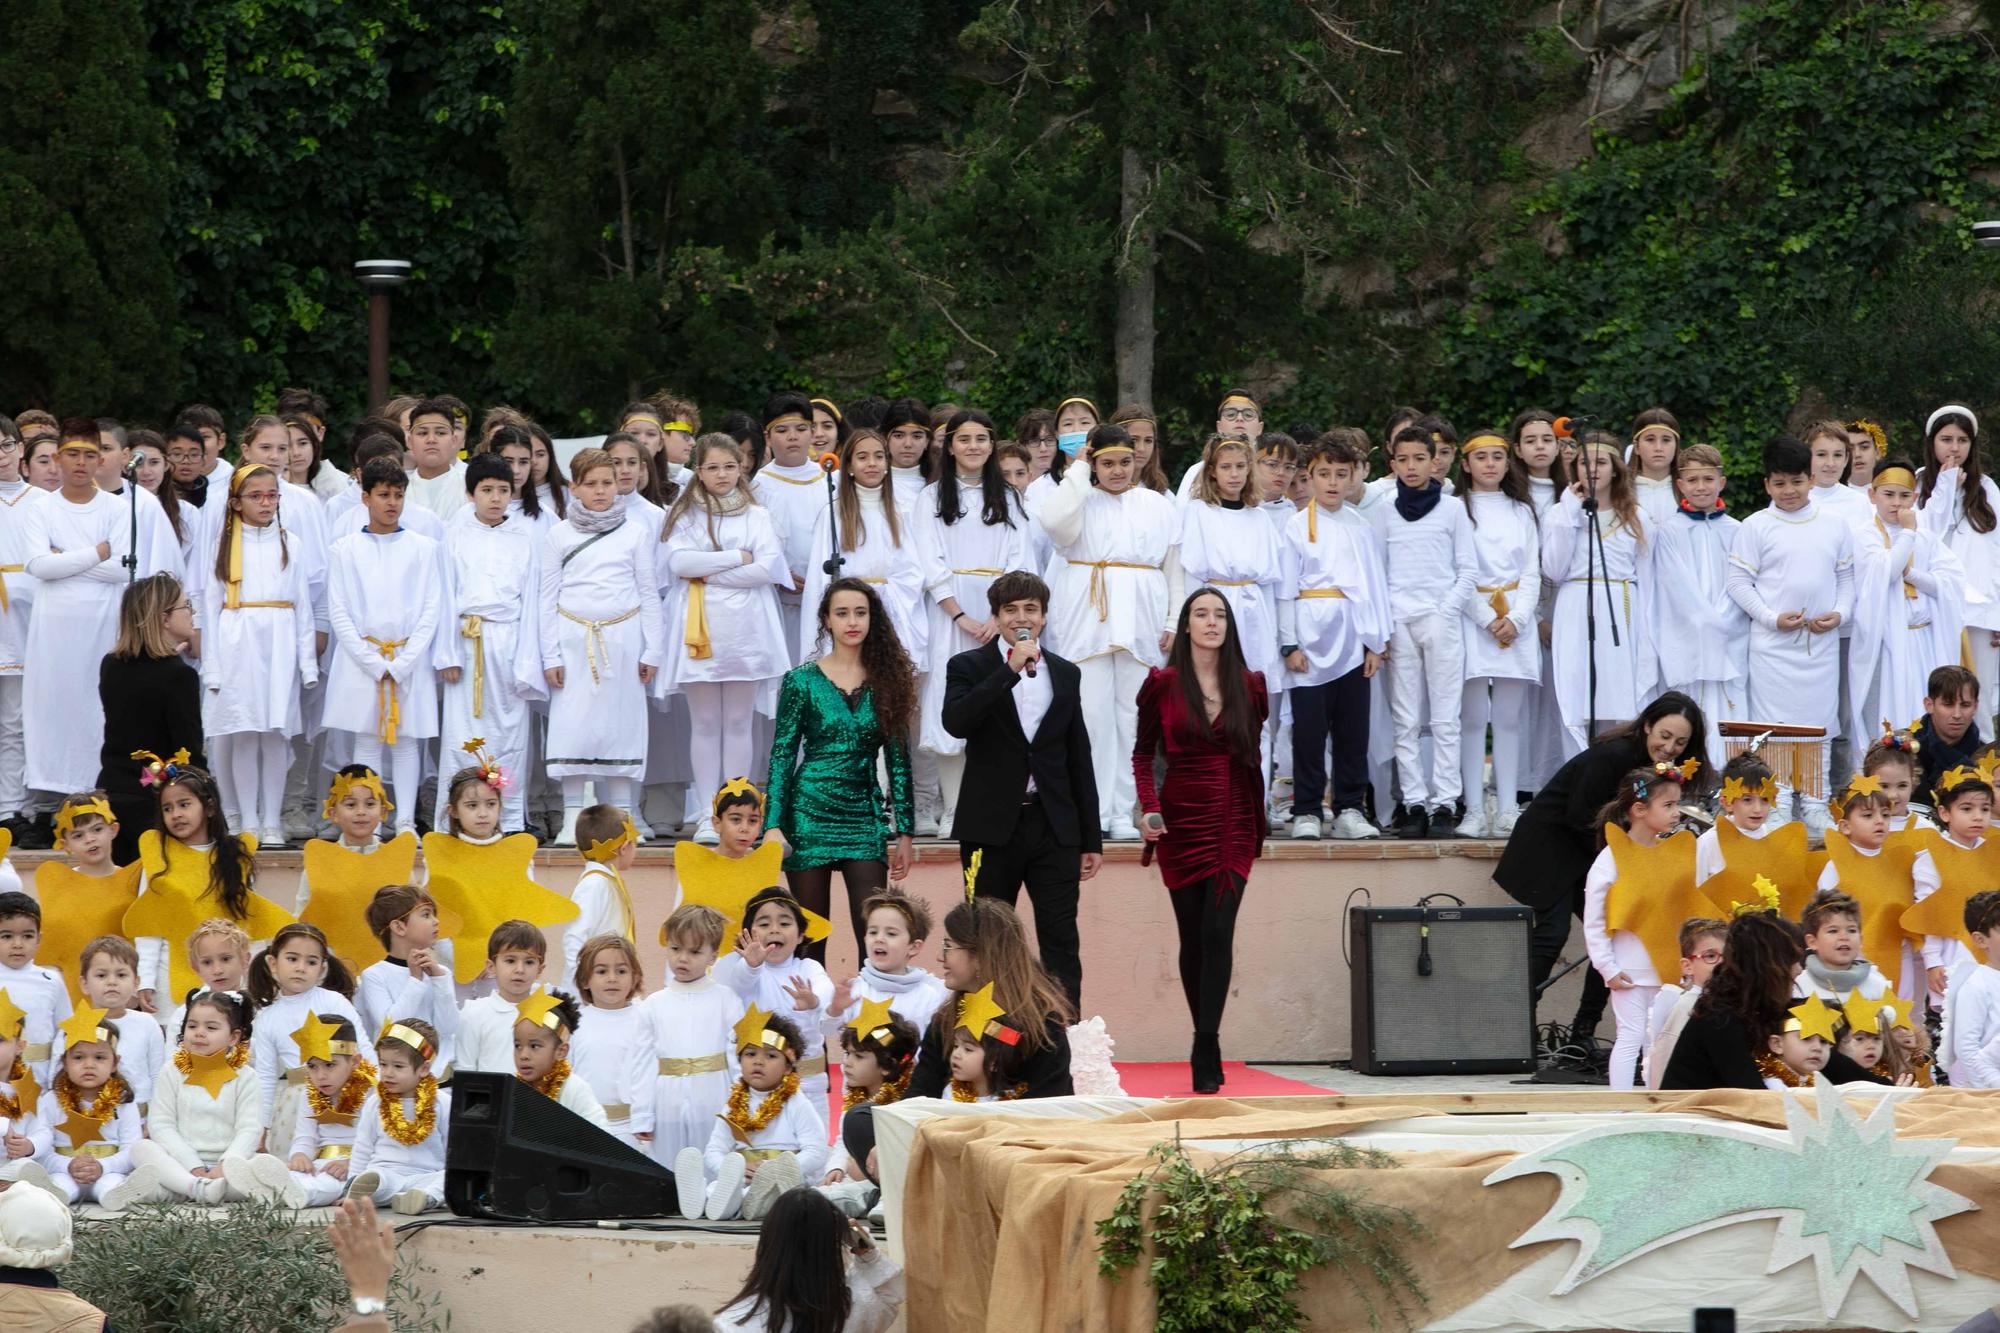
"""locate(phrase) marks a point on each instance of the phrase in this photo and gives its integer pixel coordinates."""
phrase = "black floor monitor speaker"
(1441, 990)
(513, 1153)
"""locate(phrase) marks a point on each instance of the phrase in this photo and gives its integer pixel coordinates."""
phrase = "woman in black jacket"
(1544, 863)
(1747, 998)
(152, 701)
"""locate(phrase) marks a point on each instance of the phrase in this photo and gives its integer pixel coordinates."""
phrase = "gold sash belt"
(1098, 598)
(593, 637)
(388, 707)
(674, 1066)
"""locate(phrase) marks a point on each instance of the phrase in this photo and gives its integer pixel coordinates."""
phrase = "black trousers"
(1551, 933)
(1050, 871)
(1338, 708)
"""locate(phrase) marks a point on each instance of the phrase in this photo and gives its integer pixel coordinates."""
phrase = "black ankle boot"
(1206, 1062)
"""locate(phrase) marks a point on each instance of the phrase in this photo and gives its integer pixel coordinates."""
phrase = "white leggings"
(951, 777)
(94, 1192)
(1109, 693)
(1507, 710)
(610, 791)
(250, 769)
(719, 744)
(175, 1179)
(321, 1189)
(403, 769)
(13, 748)
(1631, 1007)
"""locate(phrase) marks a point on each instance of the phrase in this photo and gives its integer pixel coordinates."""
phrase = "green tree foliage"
(1809, 194)
(634, 140)
(86, 310)
(310, 135)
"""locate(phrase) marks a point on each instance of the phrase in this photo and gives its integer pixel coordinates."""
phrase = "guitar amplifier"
(1441, 990)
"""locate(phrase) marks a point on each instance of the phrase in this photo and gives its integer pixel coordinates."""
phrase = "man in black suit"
(1030, 797)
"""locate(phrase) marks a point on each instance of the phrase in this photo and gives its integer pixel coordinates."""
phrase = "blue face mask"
(1071, 442)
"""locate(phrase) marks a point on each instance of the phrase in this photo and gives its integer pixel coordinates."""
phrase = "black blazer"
(1551, 848)
(150, 703)
(979, 709)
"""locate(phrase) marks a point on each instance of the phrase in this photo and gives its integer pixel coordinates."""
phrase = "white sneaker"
(705, 834)
(773, 1178)
(1122, 830)
(277, 1179)
(364, 1185)
(927, 825)
(1504, 821)
(1305, 828)
(270, 837)
(689, 1182)
(566, 835)
(31, 1173)
(241, 1177)
(725, 1196)
(142, 1186)
(1474, 823)
(944, 824)
(411, 1202)
(212, 1191)
(300, 824)
(1352, 824)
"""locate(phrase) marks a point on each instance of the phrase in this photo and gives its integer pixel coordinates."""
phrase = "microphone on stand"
(1022, 635)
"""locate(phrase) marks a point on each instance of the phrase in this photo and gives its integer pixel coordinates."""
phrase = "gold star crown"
(86, 1024)
(343, 783)
(751, 1032)
(543, 1009)
(1899, 1007)
(1766, 900)
(871, 1024)
(1811, 1017)
(315, 1039)
(1735, 789)
(72, 810)
(1955, 776)
(737, 787)
(978, 1011)
(604, 849)
(1862, 1015)
(1861, 784)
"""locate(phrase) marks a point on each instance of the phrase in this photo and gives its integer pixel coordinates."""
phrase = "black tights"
(814, 889)
(1205, 912)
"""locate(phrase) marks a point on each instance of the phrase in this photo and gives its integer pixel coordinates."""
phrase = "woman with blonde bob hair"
(151, 698)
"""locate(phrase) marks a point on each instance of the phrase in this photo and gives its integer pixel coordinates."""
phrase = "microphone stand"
(131, 560)
(833, 559)
(1593, 562)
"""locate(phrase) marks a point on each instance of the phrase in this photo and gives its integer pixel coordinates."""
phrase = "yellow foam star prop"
(874, 1014)
(606, 848)
(1862, 1015)
(977, 1010)
(1814, 1018)
(76, 909)
(343, 880)
(27, 1088)
(541, 1009)
(1962, 872)
(1654, 893)
(13, 1018)
(478, 887)
(1880, 884)
(315, 1038)
(727, 883)
(751, 1031)
(1901, 1008)
(85, 1024)
(1780, 856)
(212, 1072)
(81, 1129)
(178, 898)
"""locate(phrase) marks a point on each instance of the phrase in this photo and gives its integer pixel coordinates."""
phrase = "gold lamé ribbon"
(695, 633)
(474, 628)
(388, 705)
(672, 1066)
(1497, 596)
(1098, 598)
(5, 570)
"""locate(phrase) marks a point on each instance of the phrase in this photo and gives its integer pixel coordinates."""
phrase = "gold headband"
(1894, 476)
(242, 474)
(344, 783)
(640, 416)
(606, 848)
(786, 420)
(681, 426)
(1108, 450)
(1657, 425)
(1085, 401)
(1484, 440)
(543, 1009)
(71, 811)
(1600, 447)
(410, 1037)
(344, 1047)
(827, 403)
(1237, 398)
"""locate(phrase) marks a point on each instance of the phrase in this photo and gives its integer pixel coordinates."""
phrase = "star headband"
(606, 848)
(751, 1032)
(871, 1025)
(72, 810)
(1735, 789)
(1766, 899)
(1811, 1018)
(543, 1009)
(316, 1040)
(345, 783)
(1872, 431)
(1949, 410)
(980, 1015)
(410, 1037)
(1862, 1015)
(1959, 776)
(86, 1024)
(1861, 784)
(737, 787)
(1680, 773)
(489, 768)
(157, 771)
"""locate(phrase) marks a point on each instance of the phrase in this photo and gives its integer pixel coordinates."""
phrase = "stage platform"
(1289, 1001)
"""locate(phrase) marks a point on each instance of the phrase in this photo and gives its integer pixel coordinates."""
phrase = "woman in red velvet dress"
(1206, 710)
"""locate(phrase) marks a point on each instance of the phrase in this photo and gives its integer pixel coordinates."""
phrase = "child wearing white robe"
(17, 598)
(726, 642)
(274, 1050)
(322, 1142)
(1793, 562)
(387, 990)
(601, 636)
(1114, 595)
(385, 597)
(765, 986)
(1972, 1025)
(258, 647)
(112, 1148)
(961, 557)
(1620, 583)
(1500, 680)
(1909, 610)
(612, 1054)
(794, 496)
(692, 1024)
(891, 565)
(1709, 634)
(1944, 515)
(1233, 547)
(398, 1167)
(43, 996)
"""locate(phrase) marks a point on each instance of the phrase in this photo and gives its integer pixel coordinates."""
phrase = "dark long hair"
(168, 492)
(231, 869)
(1671, 704)
(798, 1279)
(1754, 979)
(1513, 483)
(891, 678)
(557, 483)
(264, 986)
(1978, 510)
(997, 502)
(1236, 723)
(518, 436)
(992, 931)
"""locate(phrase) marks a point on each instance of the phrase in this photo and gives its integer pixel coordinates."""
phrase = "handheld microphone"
(1566, 428)
(1022, 635)
(1153, 820)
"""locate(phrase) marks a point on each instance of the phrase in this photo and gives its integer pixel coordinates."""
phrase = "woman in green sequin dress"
(836, 716)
